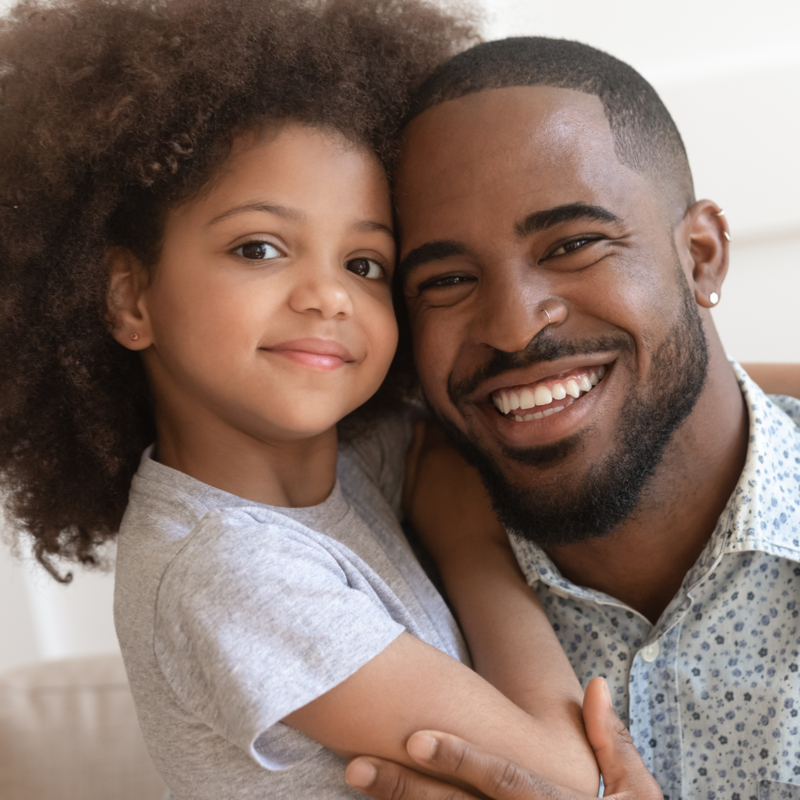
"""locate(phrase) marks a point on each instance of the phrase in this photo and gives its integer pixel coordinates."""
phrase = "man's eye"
(257, 251)
(365, 268)
(443, 282)
(572, 246)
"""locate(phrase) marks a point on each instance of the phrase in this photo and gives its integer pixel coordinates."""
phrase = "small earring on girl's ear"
(134, 336)
(713, 298)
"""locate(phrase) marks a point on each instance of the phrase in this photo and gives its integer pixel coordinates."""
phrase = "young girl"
(197, 248)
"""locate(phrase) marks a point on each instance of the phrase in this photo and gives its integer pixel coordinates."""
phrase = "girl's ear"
(705, 238)
(127, 308)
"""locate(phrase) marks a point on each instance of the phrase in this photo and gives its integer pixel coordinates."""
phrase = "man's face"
(512, 202)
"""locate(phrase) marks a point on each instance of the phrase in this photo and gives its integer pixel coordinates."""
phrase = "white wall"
(730, 74)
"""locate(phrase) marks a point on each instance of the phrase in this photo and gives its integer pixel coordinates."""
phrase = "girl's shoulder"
(376, 456)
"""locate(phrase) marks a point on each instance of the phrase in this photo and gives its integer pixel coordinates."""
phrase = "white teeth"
(548, 411)
(538, 414)
(523, 399)
(542, 396)
(557, 408)
(526, 399)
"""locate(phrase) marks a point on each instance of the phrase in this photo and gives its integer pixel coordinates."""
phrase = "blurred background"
(730, 74)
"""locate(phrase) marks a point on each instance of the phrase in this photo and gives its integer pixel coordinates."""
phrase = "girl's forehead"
(295, 171)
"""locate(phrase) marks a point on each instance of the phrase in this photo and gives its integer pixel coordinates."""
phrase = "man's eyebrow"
(549, 218)
(430, 251)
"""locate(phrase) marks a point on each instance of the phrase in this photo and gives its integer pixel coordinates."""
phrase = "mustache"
(540, 349)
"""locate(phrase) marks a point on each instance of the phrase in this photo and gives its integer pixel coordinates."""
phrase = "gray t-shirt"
(231, 615)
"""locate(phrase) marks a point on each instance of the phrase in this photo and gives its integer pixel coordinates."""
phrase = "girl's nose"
(324, 291)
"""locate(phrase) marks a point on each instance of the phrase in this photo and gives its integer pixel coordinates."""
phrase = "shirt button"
(650, 653)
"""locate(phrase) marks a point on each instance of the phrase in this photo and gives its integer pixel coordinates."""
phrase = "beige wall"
(730, 73)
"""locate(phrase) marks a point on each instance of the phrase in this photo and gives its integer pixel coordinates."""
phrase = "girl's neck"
(288, 474)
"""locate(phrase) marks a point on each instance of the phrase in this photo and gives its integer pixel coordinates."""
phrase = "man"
(558, 275)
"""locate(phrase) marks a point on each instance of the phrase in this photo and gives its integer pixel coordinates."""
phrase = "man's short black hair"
(645, 135)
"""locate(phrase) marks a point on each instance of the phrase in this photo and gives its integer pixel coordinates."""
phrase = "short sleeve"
(255, 620)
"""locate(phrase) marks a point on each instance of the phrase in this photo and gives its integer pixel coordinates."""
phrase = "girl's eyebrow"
(294, 214)
(287, 212)
(369, 226)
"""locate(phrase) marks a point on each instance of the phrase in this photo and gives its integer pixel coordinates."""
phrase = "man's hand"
(624, 773)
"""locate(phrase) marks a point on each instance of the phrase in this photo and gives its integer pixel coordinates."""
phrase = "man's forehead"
(531, 147)
(493, 116)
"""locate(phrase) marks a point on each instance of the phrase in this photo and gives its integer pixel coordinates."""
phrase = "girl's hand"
(445, 501)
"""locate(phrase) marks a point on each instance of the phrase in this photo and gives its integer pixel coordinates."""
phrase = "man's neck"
(644, 562)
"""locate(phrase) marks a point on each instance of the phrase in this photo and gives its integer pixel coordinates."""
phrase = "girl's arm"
(776, 378)
(532, 713)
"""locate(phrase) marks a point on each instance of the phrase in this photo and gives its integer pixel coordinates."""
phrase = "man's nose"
(512, 313)
(322, 288)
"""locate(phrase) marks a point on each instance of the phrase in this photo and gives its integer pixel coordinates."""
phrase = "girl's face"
(269, 312)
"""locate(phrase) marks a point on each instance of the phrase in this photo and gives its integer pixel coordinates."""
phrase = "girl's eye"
(365, 268)
(257, 251)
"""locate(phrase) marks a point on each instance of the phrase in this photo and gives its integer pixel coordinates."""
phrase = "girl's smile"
(319, 353)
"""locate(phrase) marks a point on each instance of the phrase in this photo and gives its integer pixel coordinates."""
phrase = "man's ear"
(703, 239)
(127, 309)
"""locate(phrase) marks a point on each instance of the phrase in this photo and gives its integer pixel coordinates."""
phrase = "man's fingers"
(495, 776)
(385, 780)
(623, 770)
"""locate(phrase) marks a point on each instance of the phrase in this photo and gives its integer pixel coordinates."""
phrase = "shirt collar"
(762, 514)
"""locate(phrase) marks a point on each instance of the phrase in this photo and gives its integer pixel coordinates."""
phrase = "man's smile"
(549, 396)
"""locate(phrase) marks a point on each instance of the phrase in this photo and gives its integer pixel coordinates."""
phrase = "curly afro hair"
(110, 112)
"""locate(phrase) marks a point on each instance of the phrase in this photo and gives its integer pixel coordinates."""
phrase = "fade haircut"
(646, 138)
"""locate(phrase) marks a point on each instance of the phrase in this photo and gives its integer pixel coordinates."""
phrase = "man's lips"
(547, 396)
(320, 353)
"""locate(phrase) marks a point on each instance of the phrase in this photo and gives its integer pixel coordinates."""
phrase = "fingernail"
(360, 774)
(422, 747)
(607, 691)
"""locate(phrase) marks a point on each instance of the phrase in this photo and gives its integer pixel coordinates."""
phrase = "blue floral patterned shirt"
(711, 692)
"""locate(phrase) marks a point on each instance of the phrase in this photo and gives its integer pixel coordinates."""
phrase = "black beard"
(609, 492)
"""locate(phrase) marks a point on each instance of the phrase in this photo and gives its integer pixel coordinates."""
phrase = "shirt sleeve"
(254, 621)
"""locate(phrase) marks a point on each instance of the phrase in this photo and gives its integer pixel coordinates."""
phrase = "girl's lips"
(324, 354)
